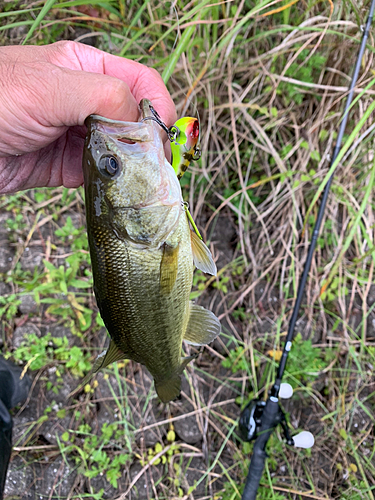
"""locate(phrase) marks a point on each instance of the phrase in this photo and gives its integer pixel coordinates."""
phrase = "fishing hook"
(172, 132)
(259, 418)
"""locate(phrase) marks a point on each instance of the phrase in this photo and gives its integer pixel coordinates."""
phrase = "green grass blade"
(181, 47)
(47, 7)
(342, 152)
(136, 17)
(15, 25)
(15, 12)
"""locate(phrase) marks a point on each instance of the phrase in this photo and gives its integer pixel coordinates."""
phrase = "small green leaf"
(158, 448)
(315, 155)
(171, 436)
(61, 413)
(343, 434)
(65, 436)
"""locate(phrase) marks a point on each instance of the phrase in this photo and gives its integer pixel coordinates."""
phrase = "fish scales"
(142, 250)
(124, 301)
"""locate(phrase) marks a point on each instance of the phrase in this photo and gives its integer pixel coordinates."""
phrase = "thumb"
(71, 95)
(78, 94)
(40, 100)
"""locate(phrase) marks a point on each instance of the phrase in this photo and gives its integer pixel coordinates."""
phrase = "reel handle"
(303, 440)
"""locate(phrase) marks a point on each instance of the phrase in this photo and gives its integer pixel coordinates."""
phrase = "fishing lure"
(184, 144)
(184, 137)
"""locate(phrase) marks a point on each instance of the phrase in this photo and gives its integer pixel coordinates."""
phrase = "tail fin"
(170, 389)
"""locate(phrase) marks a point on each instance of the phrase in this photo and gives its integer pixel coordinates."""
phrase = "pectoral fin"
(168, 268)
(203, 326)
(202, 256)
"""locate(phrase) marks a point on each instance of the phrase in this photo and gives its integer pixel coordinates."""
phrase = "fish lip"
(150, 204)
(145, 107)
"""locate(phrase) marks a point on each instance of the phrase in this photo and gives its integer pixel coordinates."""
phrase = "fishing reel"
(251, 421)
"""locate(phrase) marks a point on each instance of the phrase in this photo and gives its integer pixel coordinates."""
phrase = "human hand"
(47, 92)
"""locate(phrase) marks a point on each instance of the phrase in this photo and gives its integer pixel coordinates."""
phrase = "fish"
(143, 251)
(185, 145)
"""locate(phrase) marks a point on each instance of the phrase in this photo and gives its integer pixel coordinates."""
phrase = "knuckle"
(116, 91)
(113, 98)
(119, 87)
(66, 46)
(64, 53)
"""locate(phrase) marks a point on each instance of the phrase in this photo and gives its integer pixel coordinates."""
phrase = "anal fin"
(112, 354)
(203, 326)
(185, 361)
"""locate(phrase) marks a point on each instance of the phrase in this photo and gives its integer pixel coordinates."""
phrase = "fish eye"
(109, 165)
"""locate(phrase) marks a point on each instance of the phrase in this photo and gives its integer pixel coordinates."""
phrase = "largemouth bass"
(143, 251)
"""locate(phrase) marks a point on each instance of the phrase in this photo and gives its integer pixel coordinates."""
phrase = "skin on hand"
(47, 92)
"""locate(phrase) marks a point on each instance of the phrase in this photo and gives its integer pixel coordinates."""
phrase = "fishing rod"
(260, 418)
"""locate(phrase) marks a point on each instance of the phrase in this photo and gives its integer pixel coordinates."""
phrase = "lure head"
(184, 144)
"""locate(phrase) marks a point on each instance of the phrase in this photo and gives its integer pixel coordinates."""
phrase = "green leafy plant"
(9, 306)
(91, 457)
(335, 289)
(306, 361)
(305, 69)
(221, 283)
(237, 360)
(38, 352)
(63, 282)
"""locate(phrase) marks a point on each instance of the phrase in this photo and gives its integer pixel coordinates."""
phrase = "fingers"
(141, 80)
(47, 90)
